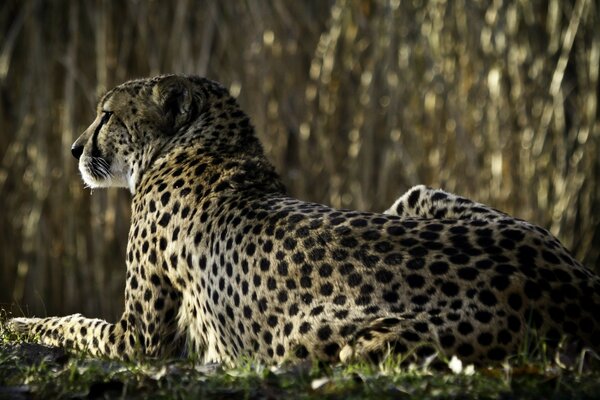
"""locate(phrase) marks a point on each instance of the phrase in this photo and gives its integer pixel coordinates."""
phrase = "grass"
(34, 371)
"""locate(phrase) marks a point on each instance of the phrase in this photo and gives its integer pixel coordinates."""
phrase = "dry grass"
(355, 101)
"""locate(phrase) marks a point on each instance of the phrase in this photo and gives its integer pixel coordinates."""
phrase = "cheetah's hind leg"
(411, 338)
(423, 202)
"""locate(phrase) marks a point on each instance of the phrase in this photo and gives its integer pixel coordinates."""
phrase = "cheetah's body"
(222, 261)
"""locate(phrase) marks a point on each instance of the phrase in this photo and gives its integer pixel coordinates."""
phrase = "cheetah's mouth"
(95, 171)
(102, 172)
(99, 168)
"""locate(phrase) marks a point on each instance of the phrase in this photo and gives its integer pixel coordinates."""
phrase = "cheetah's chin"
(104, 178)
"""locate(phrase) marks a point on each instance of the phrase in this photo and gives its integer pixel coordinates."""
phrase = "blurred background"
(355, 102)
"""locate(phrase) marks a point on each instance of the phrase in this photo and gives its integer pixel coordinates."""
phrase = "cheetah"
(222, 263)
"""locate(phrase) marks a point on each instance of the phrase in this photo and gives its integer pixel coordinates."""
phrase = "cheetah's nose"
(77, 150)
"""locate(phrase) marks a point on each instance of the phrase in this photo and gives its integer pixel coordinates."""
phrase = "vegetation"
(29, 370)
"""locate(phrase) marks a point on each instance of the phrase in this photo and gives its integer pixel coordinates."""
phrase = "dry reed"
(355, 101)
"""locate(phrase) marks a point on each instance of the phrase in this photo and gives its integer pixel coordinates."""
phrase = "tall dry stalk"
(355, 101)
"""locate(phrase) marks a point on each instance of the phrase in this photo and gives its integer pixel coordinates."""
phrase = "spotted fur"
(223, 263)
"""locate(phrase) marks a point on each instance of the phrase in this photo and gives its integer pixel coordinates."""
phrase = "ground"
(35, 371)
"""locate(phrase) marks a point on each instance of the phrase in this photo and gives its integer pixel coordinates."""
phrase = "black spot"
(290, 244)
(485, 264)
(393, 259)
(419, 300)
(164, 199)
(504, 337)
(250, 249)
(465, 328)
(154, 279)
(532, 290)
(316, 311)
(550, 257)
(349, 242)
(384, 276)
(264, 264)
(346, 269)
(371, 235)
(280, 350)
(339, 254)
(514, 323)
(459, 259)
(487, 298)
(272, 321)
(497, 354)
(500, 282)
(326, 289)
(383, 247)
(513, 234)
(307, 298)
(354, 279)
(304, 327)
(483, 316)
(301, 352)
(268, 246)
(305, 282)
(410, 336)
(450, 289)
(331, 349)
(395, 230)
(413, 197)
(282, 268)
(293, 310)
(390, 297)
(485, 338)
(268, 337)
(438, 268)
(415, 281)
(515, 301)
(298, 258)
(415, 263)
(287, 328)
(163, 244)
(421, 327)
(325, 270)
(465, 350)
(317, 254)
(447, 341)
(563, 276)
(468, 273)
(418, 251)
(152, 256)
(359, 223)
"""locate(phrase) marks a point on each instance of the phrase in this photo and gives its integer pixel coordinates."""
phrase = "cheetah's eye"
(105, 117)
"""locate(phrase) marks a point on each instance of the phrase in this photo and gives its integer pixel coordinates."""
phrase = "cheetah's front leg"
(95, 336)
(149, 330)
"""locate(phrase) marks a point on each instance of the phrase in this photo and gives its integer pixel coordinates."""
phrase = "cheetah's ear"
(174, 96)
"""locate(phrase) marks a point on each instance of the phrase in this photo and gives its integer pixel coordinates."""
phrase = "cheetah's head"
(140, 120)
